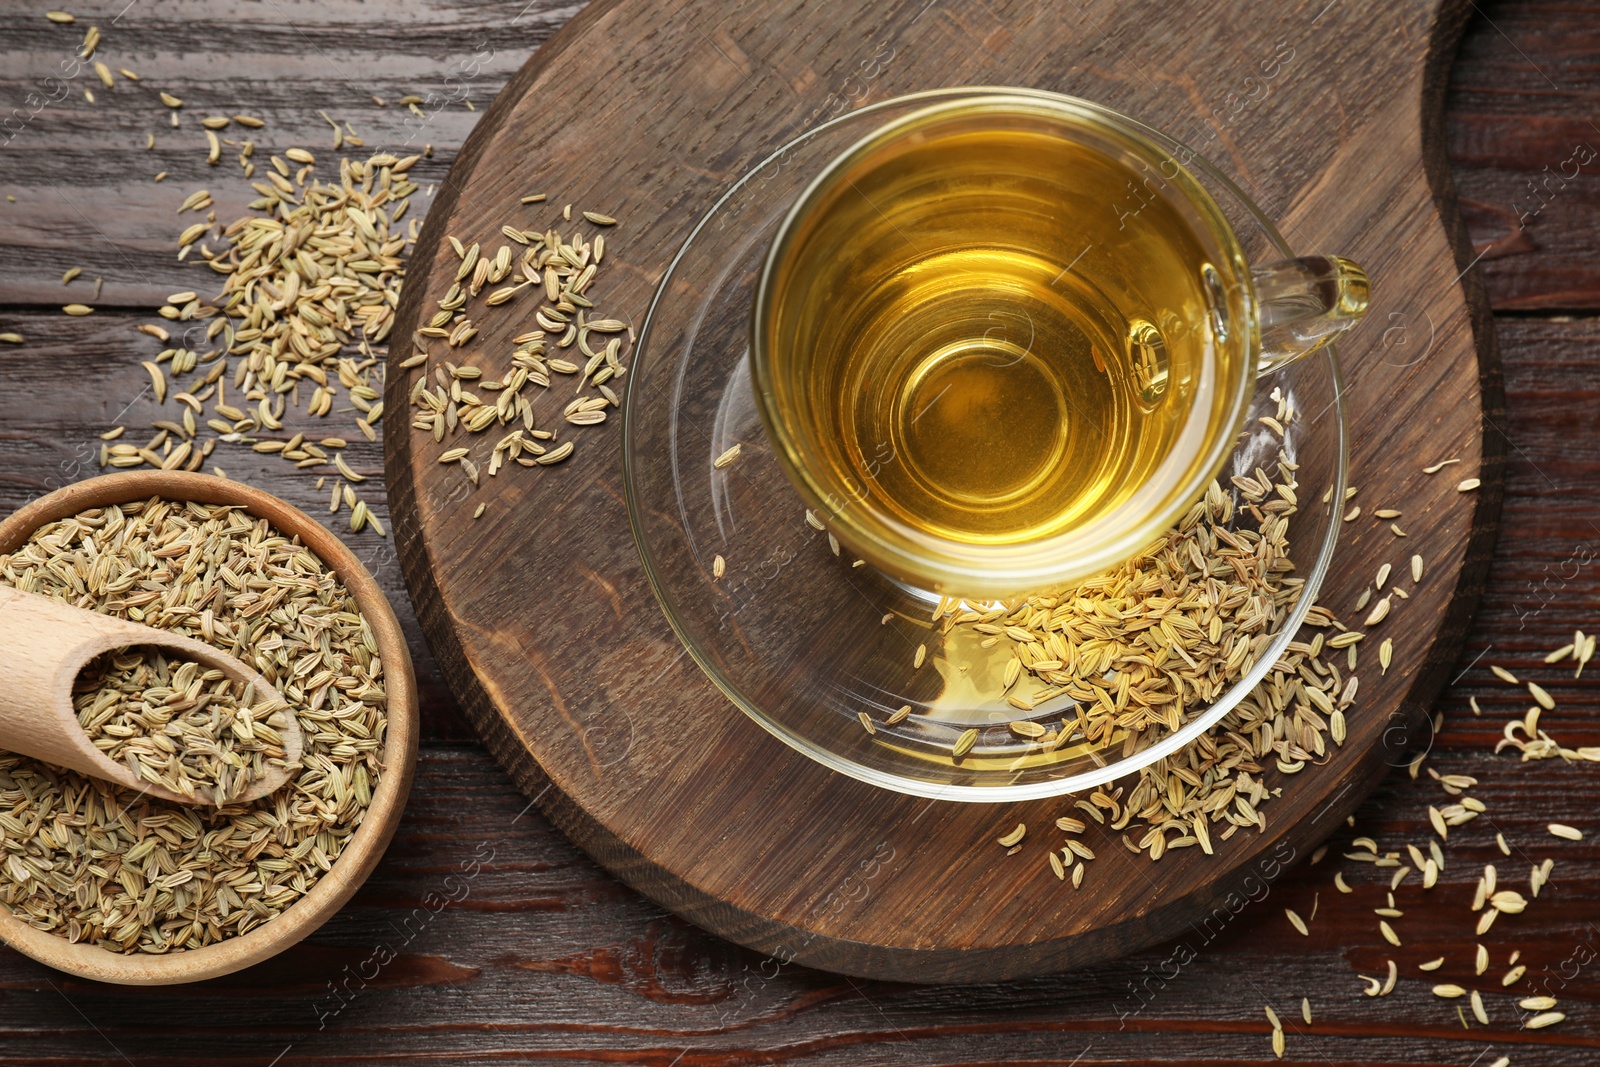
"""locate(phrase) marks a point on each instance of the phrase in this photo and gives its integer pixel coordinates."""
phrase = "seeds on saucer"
(727, 458)
(1094, 646)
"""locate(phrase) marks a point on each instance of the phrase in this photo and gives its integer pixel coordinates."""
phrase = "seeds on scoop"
(178, 724)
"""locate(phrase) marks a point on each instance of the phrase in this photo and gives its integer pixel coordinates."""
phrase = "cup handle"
(1304, 304)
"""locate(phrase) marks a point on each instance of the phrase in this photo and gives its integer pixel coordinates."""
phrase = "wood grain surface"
(653, 771)
(545, 956)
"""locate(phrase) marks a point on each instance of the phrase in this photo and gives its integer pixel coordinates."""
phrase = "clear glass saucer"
(795, 632)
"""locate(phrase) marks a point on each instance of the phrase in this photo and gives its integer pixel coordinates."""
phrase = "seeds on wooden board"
(132, 873)
(561, 272)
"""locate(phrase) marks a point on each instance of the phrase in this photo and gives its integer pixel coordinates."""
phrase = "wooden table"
(542, 954)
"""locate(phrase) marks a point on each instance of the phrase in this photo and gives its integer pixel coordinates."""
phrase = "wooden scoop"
(44, 644)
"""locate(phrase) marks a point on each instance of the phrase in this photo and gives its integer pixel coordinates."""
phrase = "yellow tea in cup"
(1001, 344)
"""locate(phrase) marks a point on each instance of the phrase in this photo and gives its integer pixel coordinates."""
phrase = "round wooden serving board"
(540, 613)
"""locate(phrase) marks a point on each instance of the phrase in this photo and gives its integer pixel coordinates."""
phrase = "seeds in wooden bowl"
(102, 865)
(179, 724)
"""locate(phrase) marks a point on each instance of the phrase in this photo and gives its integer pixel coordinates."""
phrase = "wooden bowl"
(360, 856)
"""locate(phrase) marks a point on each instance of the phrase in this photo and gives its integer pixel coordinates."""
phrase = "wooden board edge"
(1450, 23)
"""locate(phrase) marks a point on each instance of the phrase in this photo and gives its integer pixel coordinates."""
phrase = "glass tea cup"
(1005, 340)
(805, 638)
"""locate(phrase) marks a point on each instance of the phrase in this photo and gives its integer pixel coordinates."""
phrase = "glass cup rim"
(1123, 766)
(1004, 569)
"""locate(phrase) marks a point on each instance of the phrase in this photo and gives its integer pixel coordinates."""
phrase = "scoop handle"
(45, 643)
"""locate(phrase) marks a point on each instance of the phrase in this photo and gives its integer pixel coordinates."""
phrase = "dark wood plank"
(545, 690)
(1525, 151)
(530, 951)
(304, 58)
(609, 963)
